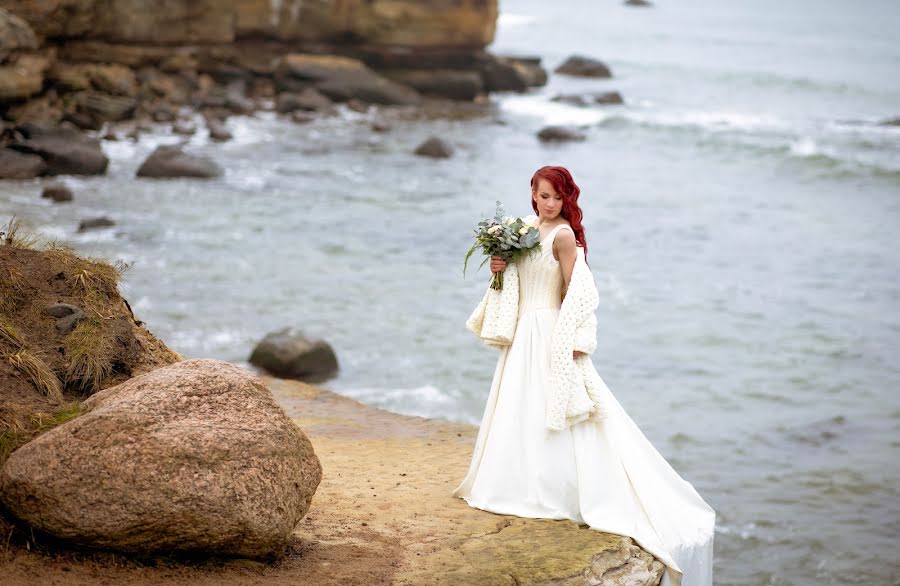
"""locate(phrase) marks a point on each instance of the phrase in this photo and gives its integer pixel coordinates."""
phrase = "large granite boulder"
(65, 151)
(192, 457)
(288, 353)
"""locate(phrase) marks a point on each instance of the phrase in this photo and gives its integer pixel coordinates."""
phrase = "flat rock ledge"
(383, 514)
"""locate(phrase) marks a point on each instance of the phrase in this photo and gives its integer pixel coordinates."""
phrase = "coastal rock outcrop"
(381, 22)
(65, 151)
(16, 165)
(341, 79)
(192, 457)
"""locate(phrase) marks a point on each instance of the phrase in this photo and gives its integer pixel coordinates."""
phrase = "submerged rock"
(171, 161)
(217, 130)
(609, 98)
(559, 134)
(581, 66)
(194, 457)
(92, 223)
(435, 148)
(58, 193)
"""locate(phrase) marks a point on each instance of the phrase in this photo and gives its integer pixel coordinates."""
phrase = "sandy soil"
(383, 514)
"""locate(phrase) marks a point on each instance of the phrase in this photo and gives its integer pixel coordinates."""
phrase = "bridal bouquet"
(503, 236)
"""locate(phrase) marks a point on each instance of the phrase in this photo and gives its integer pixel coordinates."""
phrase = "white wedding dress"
(606, 475)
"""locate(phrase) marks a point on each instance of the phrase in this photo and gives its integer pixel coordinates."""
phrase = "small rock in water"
(302, 117)
(288, 353)
(379, 126)
(890, 122)
(164, 113)
(93, 223)
(559, 134)
(571, 99)
(217, 130)
(582, 66)
(639, 3)
(57, 193)
(308, 99)
(171, 161)
(184, 128)
(435, 148)
(609, 98)
(357, 105)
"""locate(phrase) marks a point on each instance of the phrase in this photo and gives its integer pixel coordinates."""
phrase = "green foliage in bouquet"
(503, 236)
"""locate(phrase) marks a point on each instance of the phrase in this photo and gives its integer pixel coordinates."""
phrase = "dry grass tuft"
(9, 335)
(89, 352)
(12, 236)
(20, 428)
(37, 371)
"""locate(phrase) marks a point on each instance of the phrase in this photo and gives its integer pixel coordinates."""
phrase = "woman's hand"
(497, 264)
(576, 354)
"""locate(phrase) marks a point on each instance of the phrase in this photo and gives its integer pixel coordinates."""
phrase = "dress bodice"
(540, 277)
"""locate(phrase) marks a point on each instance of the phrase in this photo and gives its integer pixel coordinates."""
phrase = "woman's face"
(549, 203)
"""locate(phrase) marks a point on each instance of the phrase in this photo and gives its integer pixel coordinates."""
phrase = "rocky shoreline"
(109, 69)
(383, 514)
(121, 461)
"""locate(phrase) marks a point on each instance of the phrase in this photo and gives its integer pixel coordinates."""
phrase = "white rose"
(493, 229)
(523, 230)
(510, 220)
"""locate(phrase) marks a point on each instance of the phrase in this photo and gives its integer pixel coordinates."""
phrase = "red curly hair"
(563, 184)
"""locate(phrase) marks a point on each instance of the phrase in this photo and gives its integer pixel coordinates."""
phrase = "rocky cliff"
(466, 24)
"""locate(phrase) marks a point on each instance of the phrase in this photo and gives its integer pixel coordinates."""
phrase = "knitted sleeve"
(586, 330)
(495, 318)
(568, 401)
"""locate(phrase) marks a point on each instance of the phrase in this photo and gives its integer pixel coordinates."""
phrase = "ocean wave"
(864, 147)
(423, 401)
(510, 20)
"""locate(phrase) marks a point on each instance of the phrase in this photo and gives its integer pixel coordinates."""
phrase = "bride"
(596, 468)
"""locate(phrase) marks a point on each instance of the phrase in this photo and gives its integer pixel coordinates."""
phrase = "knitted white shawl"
(574, 393)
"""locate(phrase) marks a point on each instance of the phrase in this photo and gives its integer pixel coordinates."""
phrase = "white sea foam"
(551, 112)
(804, 147)
(424, 401)
(509, 20)
(709, 120)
